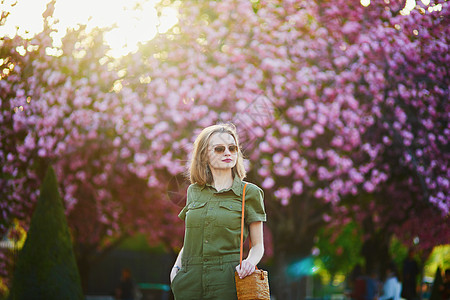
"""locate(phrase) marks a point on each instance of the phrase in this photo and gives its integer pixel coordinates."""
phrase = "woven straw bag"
(256, 285)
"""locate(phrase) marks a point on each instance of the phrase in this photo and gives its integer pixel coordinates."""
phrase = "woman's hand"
(246, 269)
(177, 266)
(256, 252)
(173, 273)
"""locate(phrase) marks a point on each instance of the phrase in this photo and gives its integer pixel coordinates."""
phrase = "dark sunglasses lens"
(219, 149)
(233, 148)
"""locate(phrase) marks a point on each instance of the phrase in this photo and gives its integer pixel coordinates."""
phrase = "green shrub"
(46, 266)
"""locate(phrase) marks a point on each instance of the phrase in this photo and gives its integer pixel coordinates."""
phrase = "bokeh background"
(341, 106)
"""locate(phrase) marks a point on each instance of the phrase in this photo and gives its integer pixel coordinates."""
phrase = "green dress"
(212, 239)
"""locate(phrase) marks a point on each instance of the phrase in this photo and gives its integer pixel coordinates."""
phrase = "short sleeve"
(254, 204)
(182, 214)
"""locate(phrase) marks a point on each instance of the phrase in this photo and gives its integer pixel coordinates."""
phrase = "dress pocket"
(175, 278)
(173, 284)
(229, 214)
(195, 214)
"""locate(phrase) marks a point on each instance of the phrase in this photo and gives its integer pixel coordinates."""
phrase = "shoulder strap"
(242, 224)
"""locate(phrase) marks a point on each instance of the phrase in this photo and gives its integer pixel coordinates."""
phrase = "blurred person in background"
(392, 286)
(125, 290)
(371, 285)
(410, 272)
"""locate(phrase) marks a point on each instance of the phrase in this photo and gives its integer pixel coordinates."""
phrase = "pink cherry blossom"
(331, 100)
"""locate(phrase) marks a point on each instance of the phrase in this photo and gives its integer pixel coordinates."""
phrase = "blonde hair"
(199, 170)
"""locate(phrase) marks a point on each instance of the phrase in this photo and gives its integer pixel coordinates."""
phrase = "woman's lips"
(227, 160)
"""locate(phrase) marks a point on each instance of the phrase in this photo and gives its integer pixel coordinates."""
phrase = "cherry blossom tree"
(410, 52)
(319, 92)
(62, 109)
(339, 106)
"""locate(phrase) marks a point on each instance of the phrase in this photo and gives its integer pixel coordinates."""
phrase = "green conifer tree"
(436, 293)
(46, 266)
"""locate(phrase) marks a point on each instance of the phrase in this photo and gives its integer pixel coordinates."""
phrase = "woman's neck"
(222, 179)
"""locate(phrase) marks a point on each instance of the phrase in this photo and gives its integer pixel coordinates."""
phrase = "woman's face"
(222, 151)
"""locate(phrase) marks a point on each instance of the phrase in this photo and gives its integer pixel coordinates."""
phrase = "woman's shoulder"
(194, 192)
(194, 187)
(252, 188)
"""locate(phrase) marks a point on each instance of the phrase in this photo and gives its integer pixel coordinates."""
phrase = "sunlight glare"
(133, 22)
(167, 19)
(25, 18)
(409, 6)
(365, 3)
(437, 7)
(138, 26)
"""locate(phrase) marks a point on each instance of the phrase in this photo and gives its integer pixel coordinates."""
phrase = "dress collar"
(236, 187)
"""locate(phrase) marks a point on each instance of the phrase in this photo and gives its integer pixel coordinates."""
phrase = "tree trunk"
(290, 258)
(87, 256)
(84, 268)
(375, 251)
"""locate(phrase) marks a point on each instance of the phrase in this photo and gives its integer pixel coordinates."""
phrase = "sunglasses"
(221, 149)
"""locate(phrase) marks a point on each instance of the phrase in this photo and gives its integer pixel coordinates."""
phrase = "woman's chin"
(224, 166)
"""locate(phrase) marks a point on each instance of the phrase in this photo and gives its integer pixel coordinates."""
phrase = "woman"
(204, 268)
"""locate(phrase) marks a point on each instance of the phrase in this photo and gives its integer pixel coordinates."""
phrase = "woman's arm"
(177, 266)
(256, 252)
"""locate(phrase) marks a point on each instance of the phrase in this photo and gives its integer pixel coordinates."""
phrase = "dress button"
(206, 241)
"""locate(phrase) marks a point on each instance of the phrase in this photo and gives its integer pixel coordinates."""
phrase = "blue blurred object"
(154, 286)
(303, 267)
